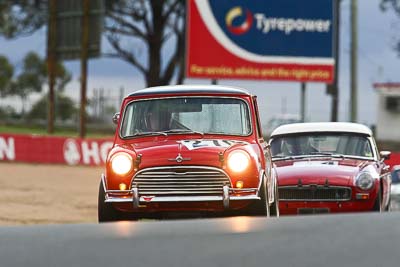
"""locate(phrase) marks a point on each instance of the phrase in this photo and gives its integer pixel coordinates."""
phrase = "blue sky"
(377, 63)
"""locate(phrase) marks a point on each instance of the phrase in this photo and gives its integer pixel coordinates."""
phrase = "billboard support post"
(353, 62)
(51, 63)
(84, 65)
(336, 45)
(303, 102)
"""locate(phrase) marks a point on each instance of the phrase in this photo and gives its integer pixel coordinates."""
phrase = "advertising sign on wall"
(288, 40)
(51, 149)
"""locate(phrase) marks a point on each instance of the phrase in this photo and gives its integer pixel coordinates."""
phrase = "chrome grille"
(178, 181)
(314, 193)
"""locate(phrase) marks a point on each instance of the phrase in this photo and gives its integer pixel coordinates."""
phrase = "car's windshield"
(321, 144)
(203, 115)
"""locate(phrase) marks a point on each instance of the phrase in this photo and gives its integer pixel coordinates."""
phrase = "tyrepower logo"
(87, 152)
(239, 22)
(235, 14)
(7, 148)
(289, 25)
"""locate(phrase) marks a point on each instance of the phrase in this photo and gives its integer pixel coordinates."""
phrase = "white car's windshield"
(321, 144)
(203, 115)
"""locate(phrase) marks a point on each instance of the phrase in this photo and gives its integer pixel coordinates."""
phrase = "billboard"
(69, 28)
(287, 40)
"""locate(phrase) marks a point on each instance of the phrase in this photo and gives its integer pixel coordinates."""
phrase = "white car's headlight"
(238, 161)
(121, 163)
(365, 181)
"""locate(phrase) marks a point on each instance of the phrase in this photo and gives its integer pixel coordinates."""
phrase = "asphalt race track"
(330, 240)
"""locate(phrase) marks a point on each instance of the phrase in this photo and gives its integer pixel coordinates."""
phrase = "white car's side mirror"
(385, 155)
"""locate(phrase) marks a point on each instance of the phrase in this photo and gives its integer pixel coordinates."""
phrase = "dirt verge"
(48, 194)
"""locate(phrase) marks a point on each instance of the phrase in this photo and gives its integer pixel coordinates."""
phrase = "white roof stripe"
(346, 127)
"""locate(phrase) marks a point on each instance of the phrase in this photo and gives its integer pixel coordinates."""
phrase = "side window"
(366, 148)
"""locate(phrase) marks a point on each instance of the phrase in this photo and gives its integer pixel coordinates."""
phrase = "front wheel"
(389, 206)
(275, 204)
(378, 202)
(105, 211)
(261, 207)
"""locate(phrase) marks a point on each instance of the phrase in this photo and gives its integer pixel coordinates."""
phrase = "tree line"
(31, 79)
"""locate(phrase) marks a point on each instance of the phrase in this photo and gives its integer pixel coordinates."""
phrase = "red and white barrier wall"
(52, 149)
(71, 151)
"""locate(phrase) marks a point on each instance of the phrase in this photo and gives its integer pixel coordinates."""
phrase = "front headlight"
(365, 181)
(238, 161)
(121, 163)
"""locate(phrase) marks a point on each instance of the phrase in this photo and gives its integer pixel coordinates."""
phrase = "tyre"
(261, 207)
(389, 206)
(105, 211)
(378, 202)
(274, 210)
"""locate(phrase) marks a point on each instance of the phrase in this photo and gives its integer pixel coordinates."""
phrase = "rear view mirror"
(115, 118)
(385, 155)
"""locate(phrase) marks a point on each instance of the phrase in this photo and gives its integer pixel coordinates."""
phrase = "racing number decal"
(196, 144)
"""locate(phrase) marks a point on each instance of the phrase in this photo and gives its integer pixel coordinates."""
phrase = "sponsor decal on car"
(197, 144)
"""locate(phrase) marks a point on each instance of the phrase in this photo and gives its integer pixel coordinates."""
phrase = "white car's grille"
(314, 193)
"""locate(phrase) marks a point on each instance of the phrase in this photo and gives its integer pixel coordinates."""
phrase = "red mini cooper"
(329, 167)
(184, 150)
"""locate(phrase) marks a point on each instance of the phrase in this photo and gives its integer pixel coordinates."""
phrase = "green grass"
(20, 129)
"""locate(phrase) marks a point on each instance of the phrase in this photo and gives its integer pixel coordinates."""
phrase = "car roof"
(191, 89)
(336, 127)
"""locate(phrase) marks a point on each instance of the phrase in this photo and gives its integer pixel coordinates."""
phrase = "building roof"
(337, 127)
(190, 89)
(387, 89)
(388, 85)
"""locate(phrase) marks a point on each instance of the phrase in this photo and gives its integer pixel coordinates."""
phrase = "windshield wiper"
(147, 134)
(321, 153)
(283, 157)
(183, 131)
(335, 155)
(312, 154)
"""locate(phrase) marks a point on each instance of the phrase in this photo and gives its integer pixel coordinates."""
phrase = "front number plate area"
(312, 210)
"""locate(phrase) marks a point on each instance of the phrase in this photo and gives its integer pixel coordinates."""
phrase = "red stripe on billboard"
(49, 149)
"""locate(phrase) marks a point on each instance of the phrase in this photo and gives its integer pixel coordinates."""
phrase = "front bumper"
(137, 200)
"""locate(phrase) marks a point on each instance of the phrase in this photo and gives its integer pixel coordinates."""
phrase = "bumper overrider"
(140, 196)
